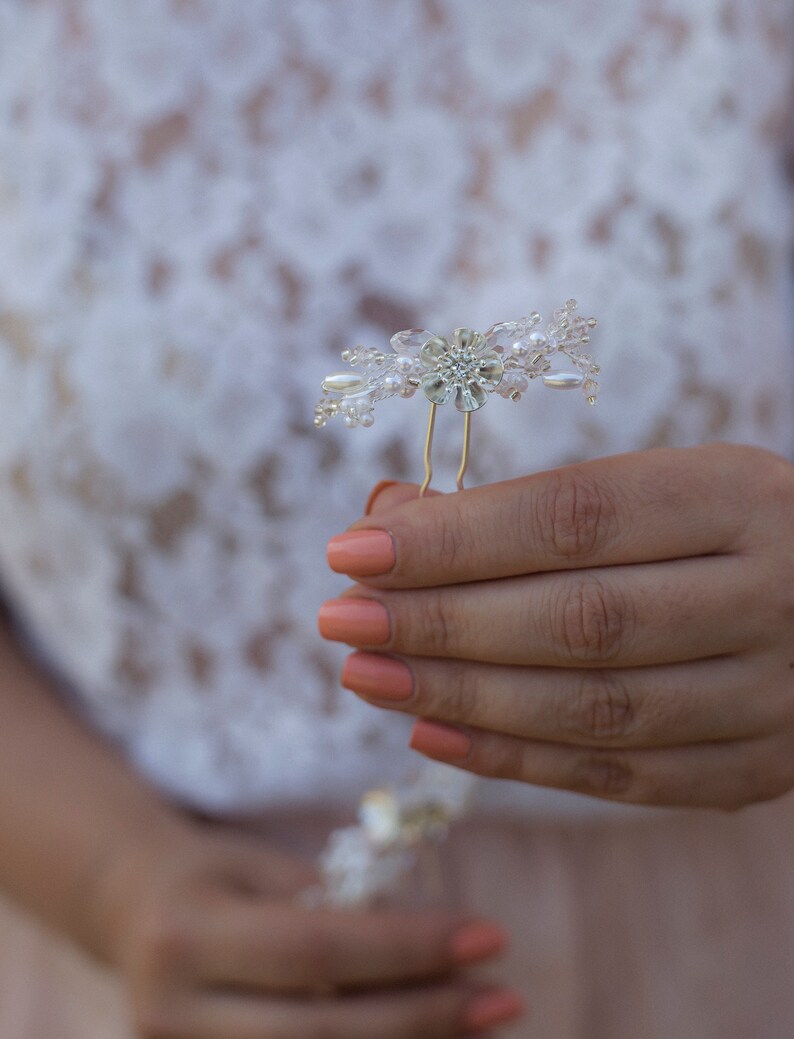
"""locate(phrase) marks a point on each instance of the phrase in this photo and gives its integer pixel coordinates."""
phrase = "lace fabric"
(201, 204)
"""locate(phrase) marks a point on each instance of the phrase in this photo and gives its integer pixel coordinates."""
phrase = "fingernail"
(492, 1008)
(361, 553)
(477, 941)
(354, 620)
(439, 741)
(375, 493)
(374, 675)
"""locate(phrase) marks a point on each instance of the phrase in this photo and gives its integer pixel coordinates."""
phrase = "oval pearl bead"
(343, 382)
(404, 364)
(563, 380)
(392, 383)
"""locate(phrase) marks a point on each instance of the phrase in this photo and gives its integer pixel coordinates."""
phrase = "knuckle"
(591, 620)
(459, 693)
(431, 623)
(574, 514)
(601, 707)
(448, 543)
(604, 775)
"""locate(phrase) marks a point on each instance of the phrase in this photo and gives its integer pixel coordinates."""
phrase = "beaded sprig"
(465, 368)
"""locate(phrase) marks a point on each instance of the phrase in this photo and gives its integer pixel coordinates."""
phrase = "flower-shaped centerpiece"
(466, 369)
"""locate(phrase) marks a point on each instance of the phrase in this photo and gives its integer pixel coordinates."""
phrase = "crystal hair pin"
(399, 828)
(466, 368)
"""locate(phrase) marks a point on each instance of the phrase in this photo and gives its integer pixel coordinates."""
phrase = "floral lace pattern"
(201, 204)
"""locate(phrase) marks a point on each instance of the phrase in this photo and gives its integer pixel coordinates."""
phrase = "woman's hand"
(211, 943)
(622, 628)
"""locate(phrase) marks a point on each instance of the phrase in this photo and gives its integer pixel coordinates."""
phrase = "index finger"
(638, 507)
(286, 948)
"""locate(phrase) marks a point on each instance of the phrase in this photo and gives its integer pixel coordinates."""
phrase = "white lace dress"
(201, 204)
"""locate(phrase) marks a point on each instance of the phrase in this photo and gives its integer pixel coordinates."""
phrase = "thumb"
(389, 493)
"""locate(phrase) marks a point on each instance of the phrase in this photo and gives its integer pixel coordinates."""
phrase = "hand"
(211, 944)
(623, 628)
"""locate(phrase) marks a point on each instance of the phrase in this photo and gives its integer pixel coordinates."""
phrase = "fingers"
(705, 775)
(631, 508)
(438, 1012)
(286, 949)
(708, 700)
(246, 866)
(614, 616)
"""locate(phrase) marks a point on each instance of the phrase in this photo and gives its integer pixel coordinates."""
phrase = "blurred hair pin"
(465, 368)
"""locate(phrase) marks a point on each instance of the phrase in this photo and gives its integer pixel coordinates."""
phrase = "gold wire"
(431, 421)
(464, 458)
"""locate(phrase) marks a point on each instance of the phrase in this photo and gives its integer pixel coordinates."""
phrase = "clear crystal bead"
(503, 335)
(410, 341)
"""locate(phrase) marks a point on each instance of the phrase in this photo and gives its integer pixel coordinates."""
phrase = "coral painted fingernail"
(439, 741)
(477, 941)
(374, 675)
(492, 1008)
(375, 493)
(354, 620)
(361, 553)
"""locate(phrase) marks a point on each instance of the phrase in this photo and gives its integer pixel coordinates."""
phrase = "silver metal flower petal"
(470, 396)
(436, 388)
(434, 350)
(491, 368)
(468, 339)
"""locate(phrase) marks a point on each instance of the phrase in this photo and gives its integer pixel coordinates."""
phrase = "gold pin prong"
(431, 421)
(464, 458)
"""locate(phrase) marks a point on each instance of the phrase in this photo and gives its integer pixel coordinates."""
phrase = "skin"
(623, 628)
(199, 920)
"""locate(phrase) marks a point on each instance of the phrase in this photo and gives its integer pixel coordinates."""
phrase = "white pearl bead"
(392, 383)
(366, 419)
(538, 340)
(520, 349)
(404, 364)
(563, 380)
(343, 382)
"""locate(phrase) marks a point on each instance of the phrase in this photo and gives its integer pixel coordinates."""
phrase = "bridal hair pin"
(465, 368)
(399, 829)
(398, 832)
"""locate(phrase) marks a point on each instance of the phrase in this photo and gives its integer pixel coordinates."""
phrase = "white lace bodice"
(201, 204)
